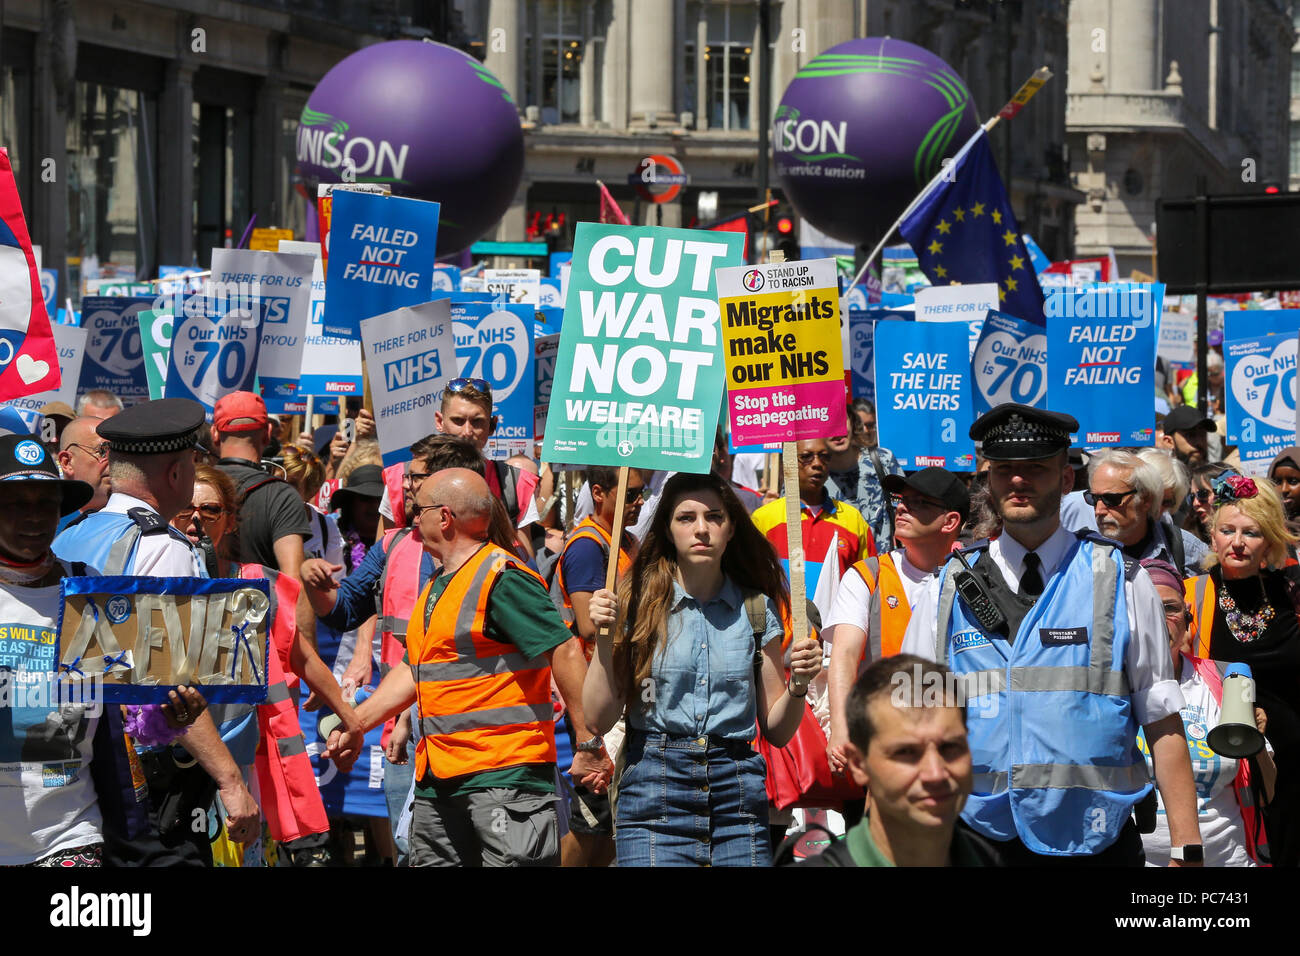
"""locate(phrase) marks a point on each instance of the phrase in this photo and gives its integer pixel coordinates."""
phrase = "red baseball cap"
(239, 412)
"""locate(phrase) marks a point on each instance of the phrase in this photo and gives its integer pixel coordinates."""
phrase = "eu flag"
(963, 230)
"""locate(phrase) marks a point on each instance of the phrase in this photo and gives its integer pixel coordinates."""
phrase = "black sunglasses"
(1111, 499)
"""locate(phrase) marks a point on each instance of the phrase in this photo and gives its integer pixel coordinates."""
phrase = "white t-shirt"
(1222, 832)
(329, 547)
(47, 799)
(159, 555)
(746, 466)
(853, 597)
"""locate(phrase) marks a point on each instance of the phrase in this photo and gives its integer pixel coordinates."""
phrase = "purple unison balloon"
(862, 128)
(427, 119)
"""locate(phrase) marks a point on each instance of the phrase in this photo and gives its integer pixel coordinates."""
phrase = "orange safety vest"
(482, 705)
(1201, 597)
(587, 528)
(399, 586)
(888, 612)
(393, 476)
(287, 789)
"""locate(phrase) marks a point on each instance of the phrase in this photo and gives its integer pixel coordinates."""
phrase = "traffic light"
(783, 234)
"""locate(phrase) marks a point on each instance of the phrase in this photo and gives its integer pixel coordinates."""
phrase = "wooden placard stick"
(616, 538)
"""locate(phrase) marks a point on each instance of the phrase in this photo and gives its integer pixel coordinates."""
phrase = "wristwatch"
(592, 746)
(1188, 853)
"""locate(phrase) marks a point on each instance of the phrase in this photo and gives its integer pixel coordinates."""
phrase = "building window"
(222, 177)
(730, 66)
(1295, 75)
(112, 177)
(1295, 149)
(553, 51)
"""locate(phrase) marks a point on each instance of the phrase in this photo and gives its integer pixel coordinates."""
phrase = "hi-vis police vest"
(287, 788)
(107, 541)
(888, 612)
(589, 529)
(1052, 735)
(482, 705)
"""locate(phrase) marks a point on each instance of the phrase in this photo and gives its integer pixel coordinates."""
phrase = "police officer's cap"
(154, 428)
(1014, 432)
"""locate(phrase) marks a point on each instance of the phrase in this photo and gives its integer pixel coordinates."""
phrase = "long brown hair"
(645, 596)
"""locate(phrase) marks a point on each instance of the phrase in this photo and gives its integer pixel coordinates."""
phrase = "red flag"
(29, 359)
(609, 209)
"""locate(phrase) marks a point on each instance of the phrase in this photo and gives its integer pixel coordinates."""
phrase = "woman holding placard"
(693, 657)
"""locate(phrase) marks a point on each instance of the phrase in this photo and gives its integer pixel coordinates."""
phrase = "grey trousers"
(501, 826)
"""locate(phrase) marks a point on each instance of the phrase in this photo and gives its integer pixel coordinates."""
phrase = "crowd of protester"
(467, 607)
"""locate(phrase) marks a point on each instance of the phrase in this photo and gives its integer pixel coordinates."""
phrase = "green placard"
(156, 340)
(639, 375)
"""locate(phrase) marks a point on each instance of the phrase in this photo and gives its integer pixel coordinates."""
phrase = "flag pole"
(1013, 106)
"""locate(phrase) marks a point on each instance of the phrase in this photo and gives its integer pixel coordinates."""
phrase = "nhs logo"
(412, 370)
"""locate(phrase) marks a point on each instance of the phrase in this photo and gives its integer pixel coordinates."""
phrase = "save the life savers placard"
(639, 376)
(784, 361)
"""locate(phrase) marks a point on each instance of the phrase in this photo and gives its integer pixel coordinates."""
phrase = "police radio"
(978, 598)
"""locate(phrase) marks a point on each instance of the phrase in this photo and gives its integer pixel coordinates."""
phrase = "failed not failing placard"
(142, 636)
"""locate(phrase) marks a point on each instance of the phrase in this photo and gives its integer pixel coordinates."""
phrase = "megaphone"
(1236, 734)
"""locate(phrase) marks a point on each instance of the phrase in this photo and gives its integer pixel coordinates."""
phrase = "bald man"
(83, 456)
(482, 644)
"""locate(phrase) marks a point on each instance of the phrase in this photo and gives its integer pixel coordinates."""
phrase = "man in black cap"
(1060, 642)
(1186, 434)
(151, 468)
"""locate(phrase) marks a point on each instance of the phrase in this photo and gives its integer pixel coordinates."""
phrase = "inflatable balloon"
(425, 118)
(862, 128)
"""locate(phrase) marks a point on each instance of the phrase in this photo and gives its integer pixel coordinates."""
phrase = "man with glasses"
(579, 573)
(874, 602)
(83, 456)
(858, 468)
(1060, 640)
(826, 521)
(485, 763)
(1126, 494)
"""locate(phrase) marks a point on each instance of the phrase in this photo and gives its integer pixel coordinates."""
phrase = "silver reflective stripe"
(121, 550)
(1084, 680)
(291, 746)
(394, 625)
(989, 783)
(946, 596)
(1105, 579)
(982, 683)
(384, 669)
(277, 693)
(475, 720)
(1062, 776)
(467, 667)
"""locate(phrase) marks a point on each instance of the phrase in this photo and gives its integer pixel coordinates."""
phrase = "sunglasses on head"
(457, 385)
(1111, 499)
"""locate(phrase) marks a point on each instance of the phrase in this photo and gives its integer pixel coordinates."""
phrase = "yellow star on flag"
(943, 226)
(977, 210)
(941, 272)
(1011, 284)
(997, 216)
(1010, 237)
(1002, 295)
(935, 247)
(959, 214)
(1017, 262)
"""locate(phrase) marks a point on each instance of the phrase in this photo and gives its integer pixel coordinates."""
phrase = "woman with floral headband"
(1245, 610)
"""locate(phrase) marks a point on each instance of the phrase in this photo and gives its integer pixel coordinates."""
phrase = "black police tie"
(1031, 582)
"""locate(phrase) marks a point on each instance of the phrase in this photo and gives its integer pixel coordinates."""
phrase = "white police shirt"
(157, 555)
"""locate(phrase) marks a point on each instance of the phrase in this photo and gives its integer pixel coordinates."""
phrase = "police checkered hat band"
(154, 446)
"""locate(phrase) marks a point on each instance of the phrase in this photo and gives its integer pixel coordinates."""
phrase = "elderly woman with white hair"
(1177, 481)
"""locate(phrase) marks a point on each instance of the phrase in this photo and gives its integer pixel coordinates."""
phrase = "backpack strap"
(388, 623)
(756, 608)
(509, 493)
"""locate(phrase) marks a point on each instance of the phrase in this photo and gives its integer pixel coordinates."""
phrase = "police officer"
(1060, 642)
(151, 469)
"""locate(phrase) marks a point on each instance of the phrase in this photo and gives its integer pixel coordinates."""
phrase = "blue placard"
(1037, 258)
(549, 321)
(114, 356)
(115, 598)
(923, 389)
(1259, 374)
(1010, 363)
(381, 258)
(1254, 323)
(446, 278)
(50, 289)
(548, 295)
(862, 348)
(1101, 354)
(558, 262)
(495, 343)
(215, 343)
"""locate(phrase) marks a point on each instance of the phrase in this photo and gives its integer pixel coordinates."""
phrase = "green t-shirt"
(519, 612)
(864, 851)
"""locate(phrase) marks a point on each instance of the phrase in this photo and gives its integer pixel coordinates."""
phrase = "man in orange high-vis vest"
(874, 602)
(481, 646)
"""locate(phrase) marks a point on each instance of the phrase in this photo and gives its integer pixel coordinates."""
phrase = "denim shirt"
(703, 672)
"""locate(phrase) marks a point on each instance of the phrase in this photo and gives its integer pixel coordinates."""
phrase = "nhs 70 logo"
(276, 309)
